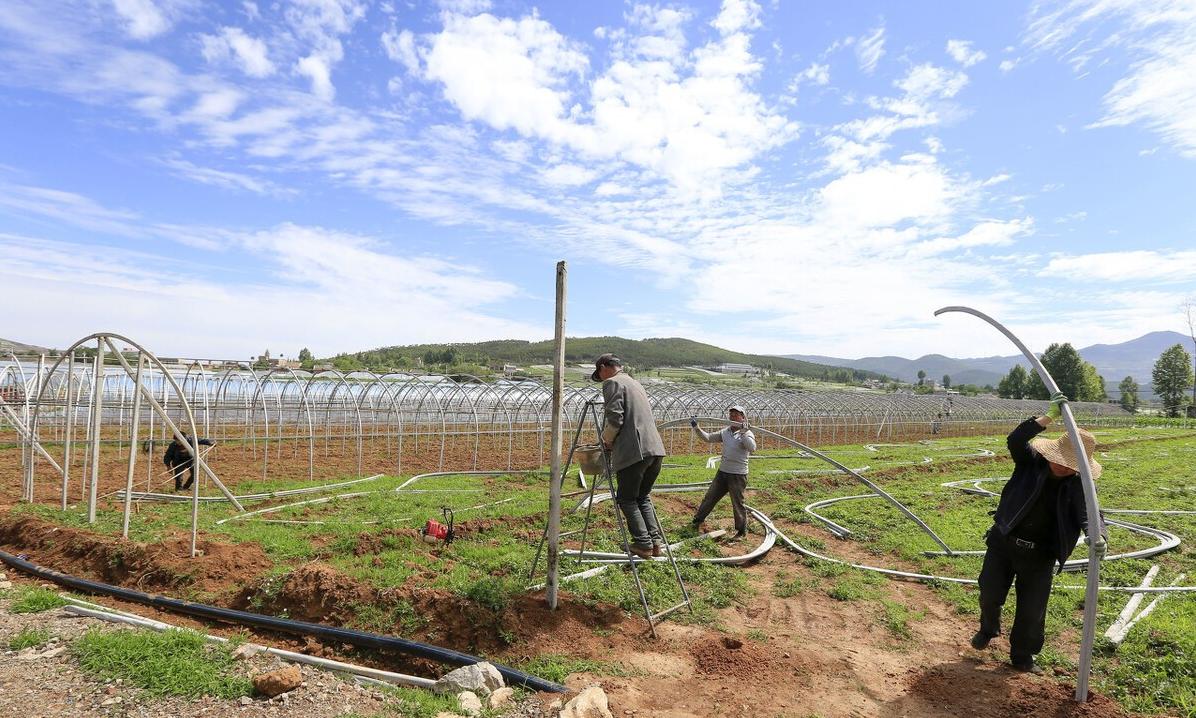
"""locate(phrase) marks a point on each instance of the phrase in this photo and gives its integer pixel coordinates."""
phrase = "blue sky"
(216, 179)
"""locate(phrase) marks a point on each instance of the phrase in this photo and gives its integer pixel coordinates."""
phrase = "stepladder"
(588, 561)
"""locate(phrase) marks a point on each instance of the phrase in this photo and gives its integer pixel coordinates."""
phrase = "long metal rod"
(133, 436)
(97, 400)
(70, 427)
(1090, 501)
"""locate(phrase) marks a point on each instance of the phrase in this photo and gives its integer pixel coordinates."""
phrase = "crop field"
(817, 637)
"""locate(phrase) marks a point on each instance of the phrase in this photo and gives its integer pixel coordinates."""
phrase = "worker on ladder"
(636, 452)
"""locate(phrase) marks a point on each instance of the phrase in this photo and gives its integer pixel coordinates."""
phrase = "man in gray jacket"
(738, 444)
(636, 452)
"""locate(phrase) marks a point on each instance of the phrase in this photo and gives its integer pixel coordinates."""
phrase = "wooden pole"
(558, 393)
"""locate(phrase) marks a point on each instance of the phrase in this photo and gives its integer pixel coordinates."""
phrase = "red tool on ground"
(435, 531)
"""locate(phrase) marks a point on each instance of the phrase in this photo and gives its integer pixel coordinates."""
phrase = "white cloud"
(1128, 266)
(319, 288)
(1158, 90)
(316, 68)
(509, 73)
(232, 42)
(224, 179)
(400, 47)
(142, 18)
(1007, 65)
(961, 51)
(870, 48)
(690, 117)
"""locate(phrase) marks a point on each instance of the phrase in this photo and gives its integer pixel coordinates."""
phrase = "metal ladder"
(606, 480)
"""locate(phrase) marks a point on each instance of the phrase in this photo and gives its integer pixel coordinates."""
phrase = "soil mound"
(165, 567)
(969, 688)
(730, 658)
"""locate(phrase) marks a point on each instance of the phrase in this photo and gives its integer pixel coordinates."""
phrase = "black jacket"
(1030, 472)
(177, 454)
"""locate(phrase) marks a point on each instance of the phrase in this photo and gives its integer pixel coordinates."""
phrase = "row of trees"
(1171, 377)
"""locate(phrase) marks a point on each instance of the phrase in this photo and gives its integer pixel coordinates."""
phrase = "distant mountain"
(1114, 362)
(637, 353)
(8, 346)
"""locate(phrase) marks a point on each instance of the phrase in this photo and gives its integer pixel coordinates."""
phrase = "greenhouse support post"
(555, 478)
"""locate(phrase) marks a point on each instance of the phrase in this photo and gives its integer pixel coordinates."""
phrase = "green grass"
(173, 662)
(33, 599)
(418, 703)
(488, 564)
(555, 667)
(30, 637)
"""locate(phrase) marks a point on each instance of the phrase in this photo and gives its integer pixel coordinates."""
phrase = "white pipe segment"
(402, 679)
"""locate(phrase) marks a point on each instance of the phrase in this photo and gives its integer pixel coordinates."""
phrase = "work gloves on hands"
(1055, 412)
(1102, 547)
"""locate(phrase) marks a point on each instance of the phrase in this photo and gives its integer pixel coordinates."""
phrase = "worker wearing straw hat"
(738, 444)
(636, 452)
(1036, 526)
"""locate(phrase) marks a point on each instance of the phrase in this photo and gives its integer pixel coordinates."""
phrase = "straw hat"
(1061, 451)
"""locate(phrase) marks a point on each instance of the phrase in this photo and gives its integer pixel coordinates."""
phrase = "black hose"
(257, 620)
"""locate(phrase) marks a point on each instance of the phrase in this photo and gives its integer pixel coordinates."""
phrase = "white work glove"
(1102, 547)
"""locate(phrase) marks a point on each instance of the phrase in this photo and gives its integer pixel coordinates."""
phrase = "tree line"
(1171, 377)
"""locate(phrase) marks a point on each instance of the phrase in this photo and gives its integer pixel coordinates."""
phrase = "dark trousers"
(634, 484)
(723, 484)
(1031, 572)
(185, 470)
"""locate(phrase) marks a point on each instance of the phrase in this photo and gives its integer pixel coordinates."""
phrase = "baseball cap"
(737, 407)
(605, 360)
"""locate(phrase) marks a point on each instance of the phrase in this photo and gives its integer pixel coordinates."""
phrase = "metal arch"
(193, 448)
(1090, 499)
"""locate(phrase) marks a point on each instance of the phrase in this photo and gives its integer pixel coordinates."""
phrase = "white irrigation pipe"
(1092, 505)
(1127, 613)
(150, 496)
(591, 572)
(1120, 636)
(402, 679)
(401, 489)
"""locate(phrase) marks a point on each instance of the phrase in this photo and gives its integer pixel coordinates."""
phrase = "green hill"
(640, 354)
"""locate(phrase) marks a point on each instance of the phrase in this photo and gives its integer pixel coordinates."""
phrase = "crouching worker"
(738, 444)
(1036, 526)
(636, 452)
(178, 460)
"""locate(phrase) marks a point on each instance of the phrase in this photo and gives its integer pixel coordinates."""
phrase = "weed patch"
(35, 600)
(173, 662)
(30, 638)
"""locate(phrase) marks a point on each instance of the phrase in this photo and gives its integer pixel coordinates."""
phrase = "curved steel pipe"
(1091, 503)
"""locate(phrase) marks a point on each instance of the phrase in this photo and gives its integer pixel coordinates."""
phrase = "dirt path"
(812, 655)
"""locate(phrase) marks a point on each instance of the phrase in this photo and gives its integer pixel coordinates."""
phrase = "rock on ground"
(590, 703)
(502, 697)
(481, 678)
(469, 703)
(278, 681)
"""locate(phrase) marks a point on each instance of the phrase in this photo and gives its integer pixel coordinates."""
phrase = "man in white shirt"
(738, 444)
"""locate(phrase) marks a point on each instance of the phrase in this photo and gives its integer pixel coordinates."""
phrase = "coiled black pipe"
(257, 620)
